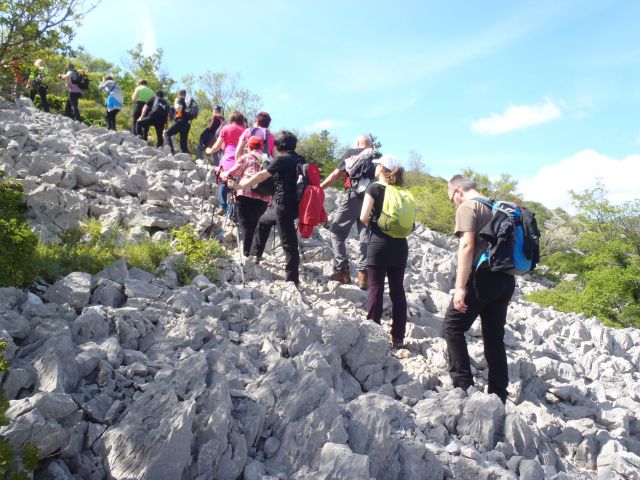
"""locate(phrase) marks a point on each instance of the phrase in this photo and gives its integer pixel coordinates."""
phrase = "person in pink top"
(261, 129)
(251, 205)
(228, 141)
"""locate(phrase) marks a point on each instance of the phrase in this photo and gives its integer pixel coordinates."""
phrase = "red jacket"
(311, 209)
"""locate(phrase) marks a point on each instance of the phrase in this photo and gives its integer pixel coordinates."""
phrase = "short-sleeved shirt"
(143, 93)
(262, 133)
(245, 167)
(383, 250)
(472, 216)
(284, 169)
(230, 135)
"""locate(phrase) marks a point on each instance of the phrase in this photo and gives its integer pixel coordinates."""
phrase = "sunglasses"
(453, 194)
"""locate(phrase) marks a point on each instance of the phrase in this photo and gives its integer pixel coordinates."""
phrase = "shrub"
(13, 465)
(200, 254)
(146, 256)
(17, 240)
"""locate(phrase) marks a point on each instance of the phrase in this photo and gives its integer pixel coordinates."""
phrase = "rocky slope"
(128, 375)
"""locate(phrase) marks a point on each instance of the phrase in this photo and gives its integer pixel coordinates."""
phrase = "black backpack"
(160, 108)
(362, 168)
(80, 78)
(268, 186)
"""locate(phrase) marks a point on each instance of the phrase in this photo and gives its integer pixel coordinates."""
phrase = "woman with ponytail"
(386, 256)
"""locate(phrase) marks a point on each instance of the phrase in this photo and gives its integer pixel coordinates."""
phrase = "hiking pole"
(216, 174)
(204, 191)
(235, 216)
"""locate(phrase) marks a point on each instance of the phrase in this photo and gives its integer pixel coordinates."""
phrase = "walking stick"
(235, 215)
(216, 173)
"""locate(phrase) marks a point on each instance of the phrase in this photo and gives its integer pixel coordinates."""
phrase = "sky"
(547, 91)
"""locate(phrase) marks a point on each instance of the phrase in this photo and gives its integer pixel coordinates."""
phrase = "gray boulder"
(74, 289)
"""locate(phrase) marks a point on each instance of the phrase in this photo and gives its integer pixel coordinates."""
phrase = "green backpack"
(398, 214)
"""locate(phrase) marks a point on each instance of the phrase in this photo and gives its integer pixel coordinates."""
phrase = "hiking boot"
(396, 342)
(363, 280)
(343, 276)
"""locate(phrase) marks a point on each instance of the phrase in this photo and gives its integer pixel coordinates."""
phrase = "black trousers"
(249, 212)
(71, 109)
(488, 295)
(283, 216)
(42, 91)
(137, 111)
(145, 123)
(179, 127)
(110, 117)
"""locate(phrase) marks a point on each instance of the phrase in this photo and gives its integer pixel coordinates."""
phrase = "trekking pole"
(216, 175)
(204, 191)
(235, 216)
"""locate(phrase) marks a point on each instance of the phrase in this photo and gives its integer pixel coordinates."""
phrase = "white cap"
(388, 161)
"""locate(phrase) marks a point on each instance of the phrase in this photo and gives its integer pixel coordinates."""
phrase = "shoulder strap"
(488, 203)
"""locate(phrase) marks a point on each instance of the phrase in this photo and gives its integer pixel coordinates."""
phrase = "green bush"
(13, 465)
(200, 254)
(147, 255)
(433, 207)
(17, 240)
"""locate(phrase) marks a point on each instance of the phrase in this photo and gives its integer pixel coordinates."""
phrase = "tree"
(31, 25)
(221, 88)
(504, 188)
(320, 148)
(605, 261)
(149, 68)
(416, 173)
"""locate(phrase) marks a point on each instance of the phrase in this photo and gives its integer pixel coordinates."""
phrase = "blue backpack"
(513, 238)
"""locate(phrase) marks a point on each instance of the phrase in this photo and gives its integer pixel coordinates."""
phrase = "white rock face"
(124, 374)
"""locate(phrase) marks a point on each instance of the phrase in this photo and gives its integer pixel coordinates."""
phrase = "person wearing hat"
(210, 134)
(251, 205)
(386, 256)
(37, 85)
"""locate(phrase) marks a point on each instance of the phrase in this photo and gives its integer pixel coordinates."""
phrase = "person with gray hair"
(478, 291)
(348, 210)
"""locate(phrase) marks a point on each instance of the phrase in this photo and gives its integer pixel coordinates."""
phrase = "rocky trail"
(126, 375)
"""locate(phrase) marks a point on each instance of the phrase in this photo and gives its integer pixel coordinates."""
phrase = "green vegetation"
(88, 250)
(322, 149)
(604, 260)
(13, 465)
(200, 254)
(17, 241)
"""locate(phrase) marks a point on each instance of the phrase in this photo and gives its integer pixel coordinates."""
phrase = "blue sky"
(548, 91)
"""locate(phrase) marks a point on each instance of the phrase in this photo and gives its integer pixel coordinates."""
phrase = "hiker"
(181, 124)
(114, 100)
(386, 255)
(251, 203)
(478, 291)
(348, 212)
(227, 141)
(284, 170)
(141, 95)
(210, 134)
(260, 128)
(72, 79)
(20, 77)
(154, 113)
(37, 86)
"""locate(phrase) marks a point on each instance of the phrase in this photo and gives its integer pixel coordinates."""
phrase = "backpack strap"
(488, 203)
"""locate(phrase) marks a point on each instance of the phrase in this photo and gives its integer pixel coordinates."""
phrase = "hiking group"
(264, 183)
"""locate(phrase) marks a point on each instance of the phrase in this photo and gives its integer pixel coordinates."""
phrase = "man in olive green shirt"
(141, 95)
(478, 291)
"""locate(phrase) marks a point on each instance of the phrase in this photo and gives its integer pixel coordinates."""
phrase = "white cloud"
(328, 124)
(551, 184)
(517, 117)
(284, 97)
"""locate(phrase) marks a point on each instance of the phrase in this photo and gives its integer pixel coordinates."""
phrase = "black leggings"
(71, 109)
(111, 119)
(249, 212)
(375, 277)
(284, 218)
(42, 91)
(157, 123)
